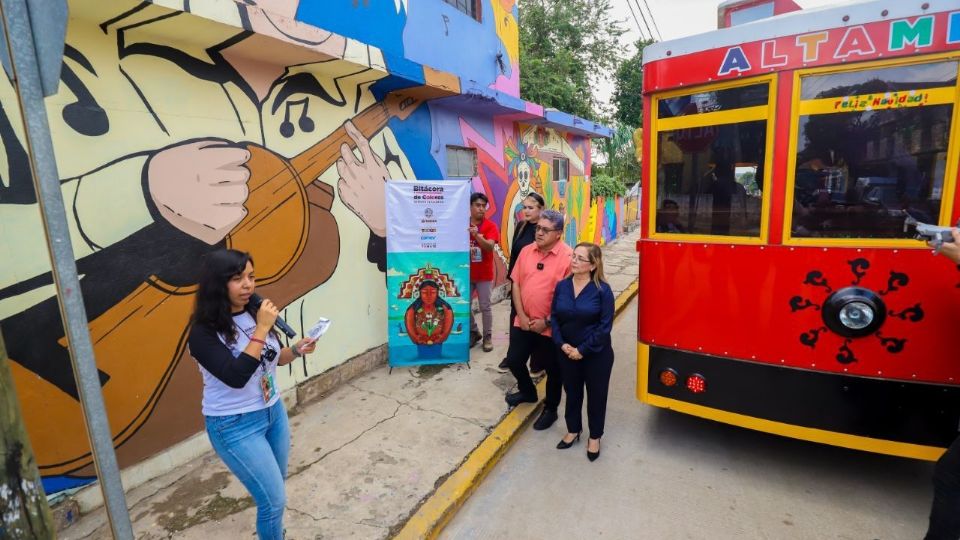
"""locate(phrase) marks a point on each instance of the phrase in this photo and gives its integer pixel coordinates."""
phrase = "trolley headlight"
(854, 312)
(856, 315)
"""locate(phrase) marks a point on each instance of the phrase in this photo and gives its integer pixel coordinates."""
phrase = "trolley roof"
(851, 32)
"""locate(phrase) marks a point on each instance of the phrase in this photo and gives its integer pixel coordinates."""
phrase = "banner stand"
(428, 272)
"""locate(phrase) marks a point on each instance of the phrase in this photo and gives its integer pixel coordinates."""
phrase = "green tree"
(628, 88)
(619, 155)
(566, 47)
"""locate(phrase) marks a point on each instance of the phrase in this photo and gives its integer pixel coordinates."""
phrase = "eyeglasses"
(580, 259)
(545, 230)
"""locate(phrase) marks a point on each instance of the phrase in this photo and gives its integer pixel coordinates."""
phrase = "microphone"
(256, 300)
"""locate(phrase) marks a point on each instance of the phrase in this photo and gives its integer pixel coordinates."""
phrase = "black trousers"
(945, 512)
(592, 372)
(523, 344)
(537, 357)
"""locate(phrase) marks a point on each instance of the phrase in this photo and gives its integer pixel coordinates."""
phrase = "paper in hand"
(318, 329)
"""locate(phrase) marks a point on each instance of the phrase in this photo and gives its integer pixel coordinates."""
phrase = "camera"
(934, 234)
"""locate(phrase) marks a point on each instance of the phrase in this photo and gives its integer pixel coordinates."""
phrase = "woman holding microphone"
(238, 352)
(582, 318)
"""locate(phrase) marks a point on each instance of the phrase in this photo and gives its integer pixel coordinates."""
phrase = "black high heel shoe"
(592, 456)
(563, 445)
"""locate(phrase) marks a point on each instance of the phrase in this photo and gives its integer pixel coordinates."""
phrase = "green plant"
(607, 187)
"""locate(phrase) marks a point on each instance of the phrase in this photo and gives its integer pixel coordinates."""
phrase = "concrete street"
(664, 476)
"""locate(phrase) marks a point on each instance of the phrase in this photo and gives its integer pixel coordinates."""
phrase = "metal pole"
(20, 40)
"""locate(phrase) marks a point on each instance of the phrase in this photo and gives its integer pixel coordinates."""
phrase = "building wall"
(180, 132)
(433, 33)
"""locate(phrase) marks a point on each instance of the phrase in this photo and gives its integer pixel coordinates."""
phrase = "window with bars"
(461, 162)
(470, 7)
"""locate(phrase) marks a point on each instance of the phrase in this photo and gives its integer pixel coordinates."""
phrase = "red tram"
(778, 288)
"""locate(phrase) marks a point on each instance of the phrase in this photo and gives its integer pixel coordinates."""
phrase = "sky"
(675, 19)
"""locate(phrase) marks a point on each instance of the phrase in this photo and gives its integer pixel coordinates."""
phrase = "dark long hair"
(212, 308)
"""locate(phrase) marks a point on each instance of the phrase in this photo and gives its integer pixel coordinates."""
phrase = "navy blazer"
(584, 321)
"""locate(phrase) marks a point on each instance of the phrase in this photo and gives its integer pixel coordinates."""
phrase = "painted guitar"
(140, 341)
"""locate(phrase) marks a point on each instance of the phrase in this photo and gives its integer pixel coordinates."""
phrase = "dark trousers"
(592, 372)
(945, 513)
(523, 344)
(537, 357)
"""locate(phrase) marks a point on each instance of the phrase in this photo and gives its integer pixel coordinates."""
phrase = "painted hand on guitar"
(362, 181)
(200, 187)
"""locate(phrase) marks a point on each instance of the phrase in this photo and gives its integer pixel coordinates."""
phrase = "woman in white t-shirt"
(238, 352)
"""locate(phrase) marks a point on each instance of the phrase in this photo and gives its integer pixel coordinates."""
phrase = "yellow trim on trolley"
(856, 442)
(719, 118)
(747, 114)
(937, 96)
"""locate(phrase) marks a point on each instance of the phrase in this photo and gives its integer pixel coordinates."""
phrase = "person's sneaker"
(546, 419)
(517, 398)
(503, 367)
(487, 344)
(535, 374)
(475, 338)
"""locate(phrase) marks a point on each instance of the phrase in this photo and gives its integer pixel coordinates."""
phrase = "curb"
(437, 510)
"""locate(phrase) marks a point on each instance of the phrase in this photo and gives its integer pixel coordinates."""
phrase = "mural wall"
(177, 132)
(433, 33)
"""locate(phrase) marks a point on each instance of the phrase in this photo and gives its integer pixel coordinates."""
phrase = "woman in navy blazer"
(582, 317)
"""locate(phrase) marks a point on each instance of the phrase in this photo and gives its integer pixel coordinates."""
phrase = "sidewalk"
(363, 459)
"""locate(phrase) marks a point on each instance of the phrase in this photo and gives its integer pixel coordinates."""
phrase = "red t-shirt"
(481, 260)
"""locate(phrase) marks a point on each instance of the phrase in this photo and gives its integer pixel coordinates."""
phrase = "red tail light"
(696, 383)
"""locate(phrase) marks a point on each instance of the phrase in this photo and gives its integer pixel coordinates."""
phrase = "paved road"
(668, 476)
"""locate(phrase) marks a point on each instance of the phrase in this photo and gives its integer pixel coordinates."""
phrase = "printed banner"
(428, 272)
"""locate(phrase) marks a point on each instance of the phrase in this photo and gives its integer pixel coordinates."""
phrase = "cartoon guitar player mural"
(166, 151)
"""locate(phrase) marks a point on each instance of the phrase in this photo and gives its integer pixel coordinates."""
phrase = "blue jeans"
(255, 447)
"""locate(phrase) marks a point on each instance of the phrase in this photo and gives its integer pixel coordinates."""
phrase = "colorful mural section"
(174, 137)
(432, 33)
(184, 127)
(516, 158)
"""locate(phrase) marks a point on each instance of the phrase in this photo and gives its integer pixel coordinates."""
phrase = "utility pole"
(34, 32)
(23, 505)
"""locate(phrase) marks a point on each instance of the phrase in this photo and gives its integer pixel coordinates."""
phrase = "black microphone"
(256, 300)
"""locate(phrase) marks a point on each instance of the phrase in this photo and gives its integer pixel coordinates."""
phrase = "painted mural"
(179, 130)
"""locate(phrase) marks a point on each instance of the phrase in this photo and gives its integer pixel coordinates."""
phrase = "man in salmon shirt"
(483, 237)
(540, 266)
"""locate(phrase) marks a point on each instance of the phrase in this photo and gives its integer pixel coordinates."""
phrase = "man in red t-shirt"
(483, 237)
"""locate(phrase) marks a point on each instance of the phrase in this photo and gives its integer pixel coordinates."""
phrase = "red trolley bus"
(778, 289)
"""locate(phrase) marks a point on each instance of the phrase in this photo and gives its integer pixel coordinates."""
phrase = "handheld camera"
(934, 234)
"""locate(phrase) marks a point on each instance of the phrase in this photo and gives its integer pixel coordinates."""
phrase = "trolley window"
(712, 147)
(871, 146)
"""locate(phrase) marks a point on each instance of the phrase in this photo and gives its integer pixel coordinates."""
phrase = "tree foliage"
(619, 156)
(607, 187)
(628, 88)
(566, 47)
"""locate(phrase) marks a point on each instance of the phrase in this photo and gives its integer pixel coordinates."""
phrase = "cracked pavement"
(361, 459)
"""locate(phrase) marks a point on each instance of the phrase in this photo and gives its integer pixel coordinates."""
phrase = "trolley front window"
(872, 147)
(712, 147)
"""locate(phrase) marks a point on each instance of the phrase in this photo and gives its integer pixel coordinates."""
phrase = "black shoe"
(547, 418)
(592, 456)
(503, 367)
(517, 398)
(563, 445)
(475, 338)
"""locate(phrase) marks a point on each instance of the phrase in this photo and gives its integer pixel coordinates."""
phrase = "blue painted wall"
(429, 32)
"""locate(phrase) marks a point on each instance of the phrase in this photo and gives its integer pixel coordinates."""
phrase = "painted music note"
(304, 122)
